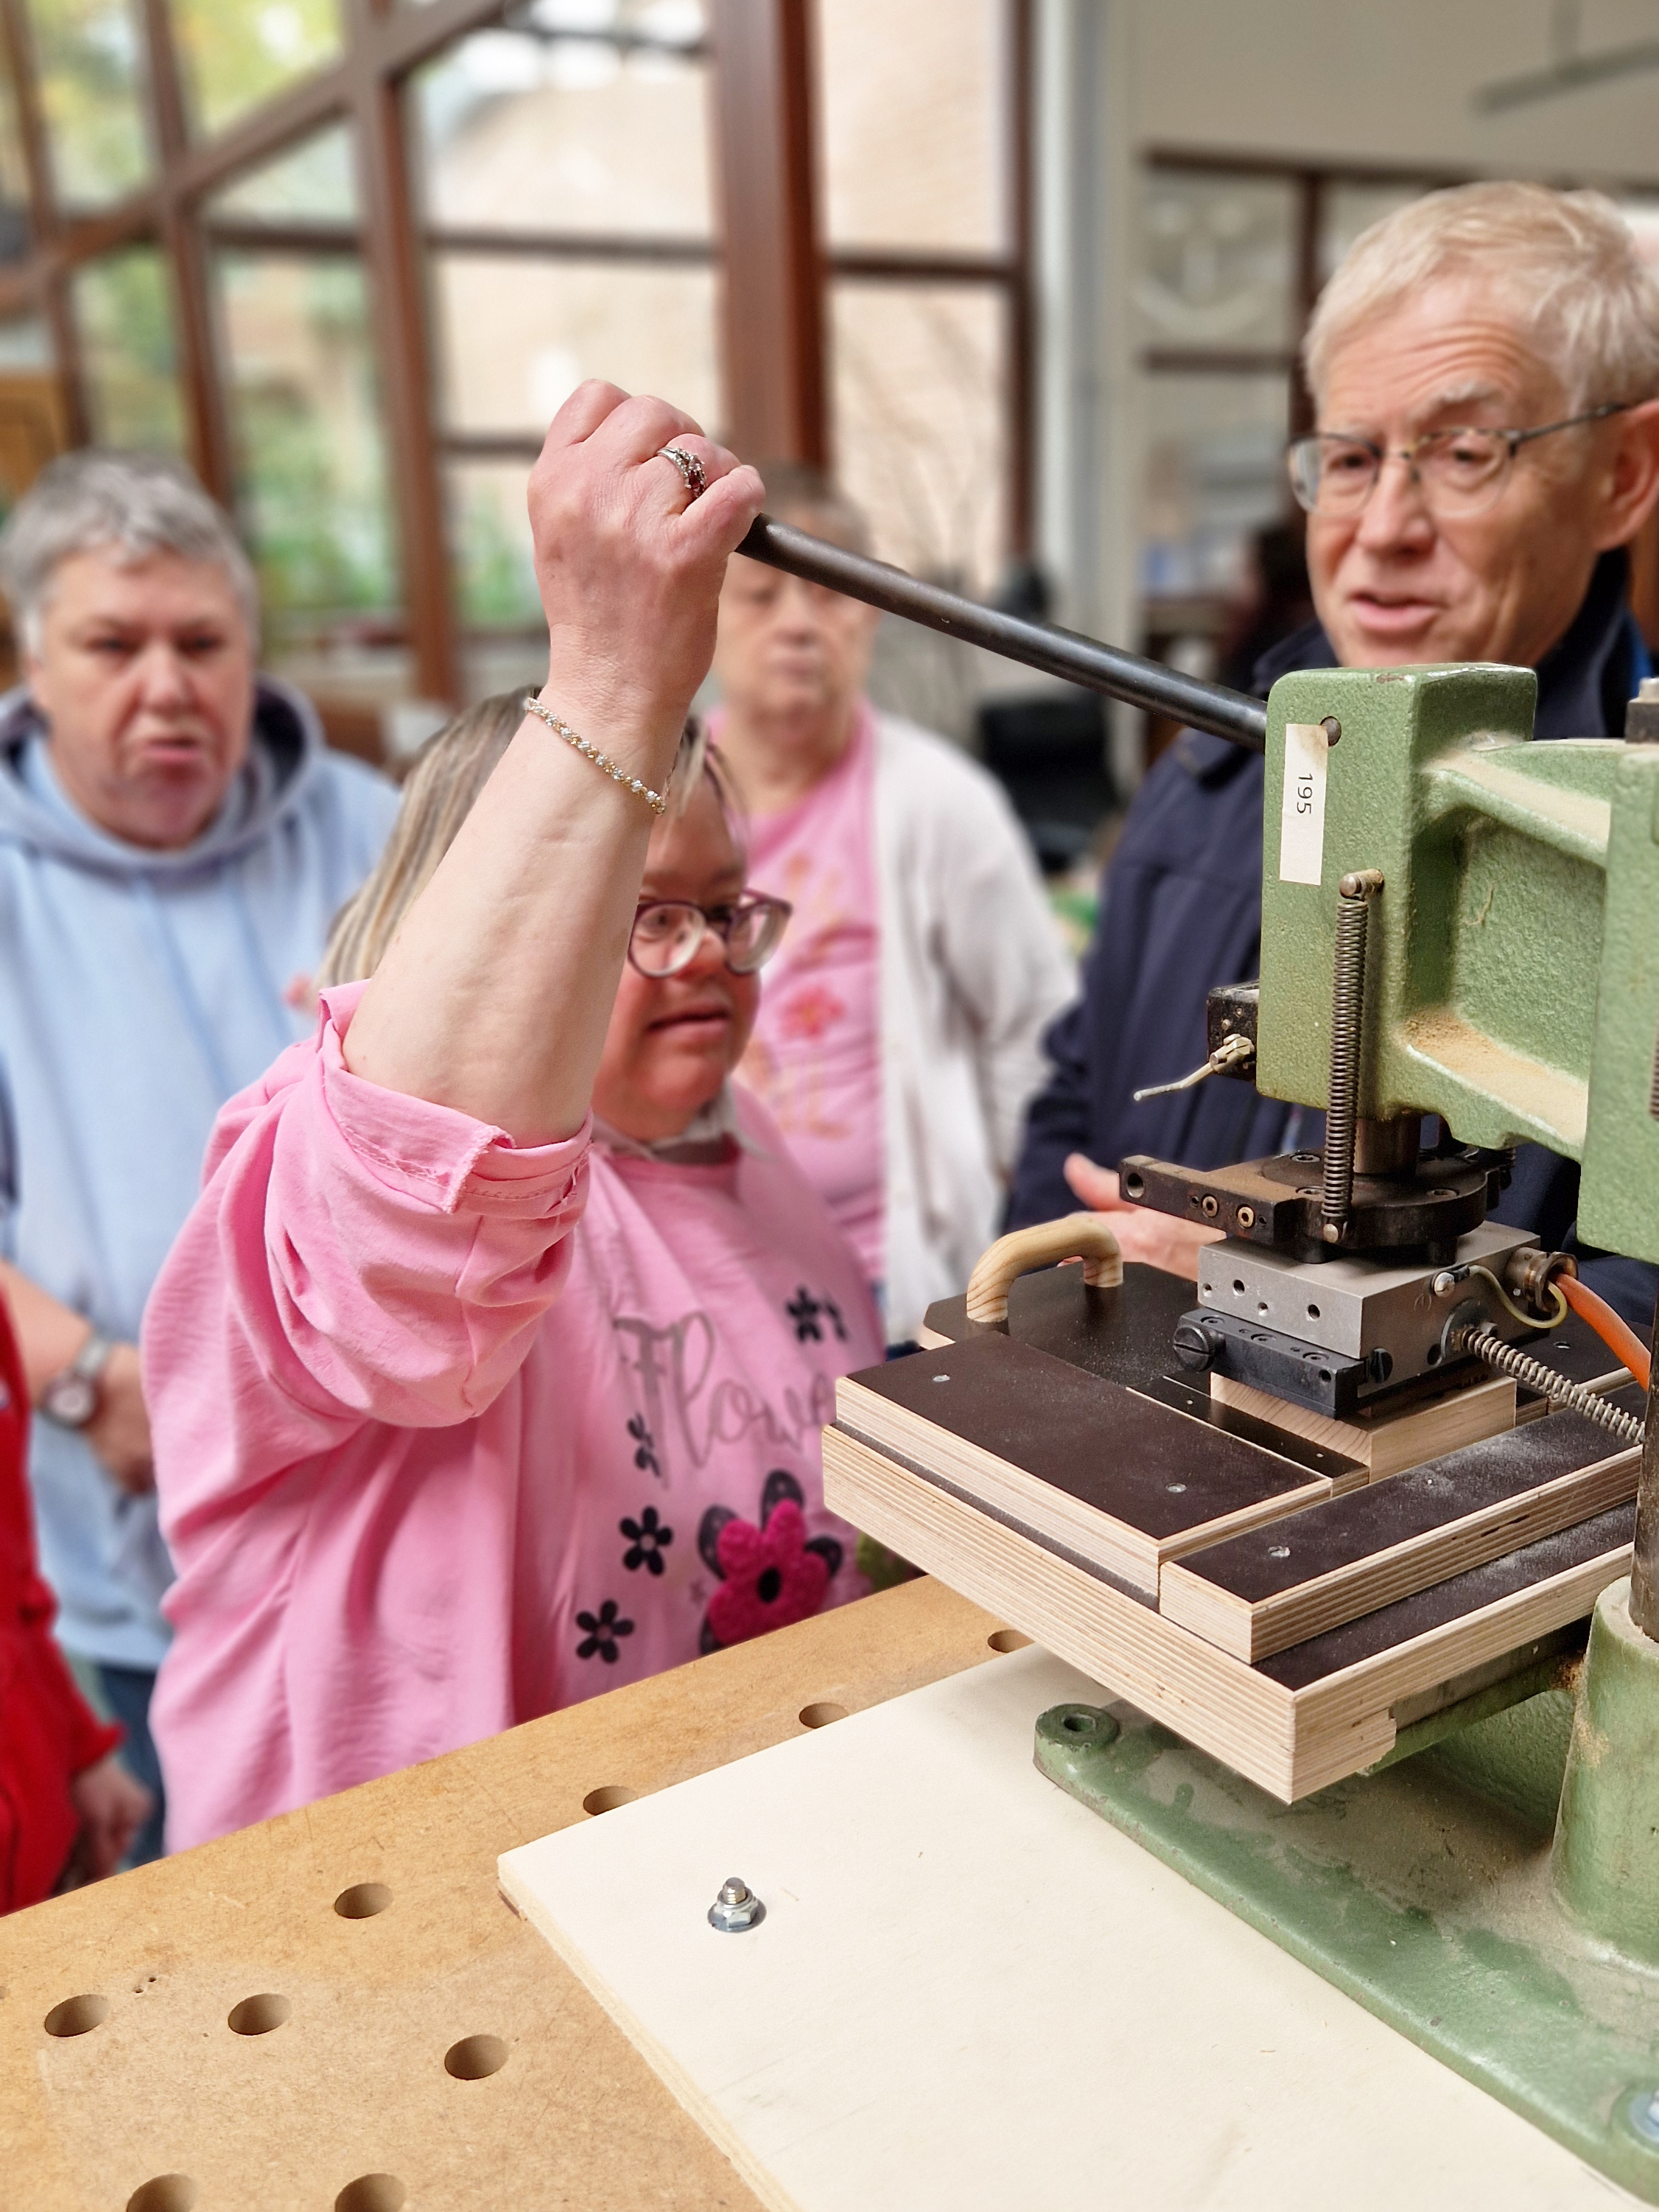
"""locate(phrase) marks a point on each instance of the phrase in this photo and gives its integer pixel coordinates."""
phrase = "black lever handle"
(1146, 684)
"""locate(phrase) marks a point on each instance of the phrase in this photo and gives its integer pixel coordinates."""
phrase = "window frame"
(774, 271)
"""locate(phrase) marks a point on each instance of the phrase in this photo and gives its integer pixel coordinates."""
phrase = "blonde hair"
(1567, 263)
(450, 770)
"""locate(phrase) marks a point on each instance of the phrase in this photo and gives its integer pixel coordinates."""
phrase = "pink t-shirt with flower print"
(433, 1460)
(815, 1057)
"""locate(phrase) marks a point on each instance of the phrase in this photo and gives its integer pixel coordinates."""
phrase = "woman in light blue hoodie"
(175, 838)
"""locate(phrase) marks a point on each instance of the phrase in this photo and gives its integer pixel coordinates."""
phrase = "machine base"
(1423, 1891)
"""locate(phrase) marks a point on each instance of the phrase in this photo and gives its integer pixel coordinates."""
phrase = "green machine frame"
(1512, 971)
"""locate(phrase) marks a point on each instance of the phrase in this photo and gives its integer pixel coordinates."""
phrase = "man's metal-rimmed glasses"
(1462, 471)
(667, 934)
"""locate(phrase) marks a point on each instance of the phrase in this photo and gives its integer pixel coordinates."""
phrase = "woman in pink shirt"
(431, 1463)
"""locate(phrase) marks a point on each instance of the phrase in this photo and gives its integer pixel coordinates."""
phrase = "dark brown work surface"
(1122, 1334)
(1137, 1463)
(1265, 1563)
(1391, 1625)
(354, 2083)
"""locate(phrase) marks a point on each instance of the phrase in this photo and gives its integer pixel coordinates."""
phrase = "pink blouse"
(431, 1464)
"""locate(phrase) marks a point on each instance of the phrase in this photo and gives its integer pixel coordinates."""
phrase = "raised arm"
(496, 996)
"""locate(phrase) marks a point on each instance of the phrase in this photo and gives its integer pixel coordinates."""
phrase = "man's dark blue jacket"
(1181, 911)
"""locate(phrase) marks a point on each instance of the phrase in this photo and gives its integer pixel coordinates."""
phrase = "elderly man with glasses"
(1485, 364)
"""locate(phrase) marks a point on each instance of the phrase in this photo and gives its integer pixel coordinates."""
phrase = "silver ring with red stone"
(693, 475)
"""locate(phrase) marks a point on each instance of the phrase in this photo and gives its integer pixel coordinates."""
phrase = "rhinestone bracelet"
(653, 799)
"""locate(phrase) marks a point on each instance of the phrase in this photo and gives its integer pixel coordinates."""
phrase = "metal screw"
(1443, 1284)
(1332, 728)
(1642, 2111)
(736, 1908)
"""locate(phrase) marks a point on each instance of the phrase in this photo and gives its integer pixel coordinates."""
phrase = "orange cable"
(1616, 1334)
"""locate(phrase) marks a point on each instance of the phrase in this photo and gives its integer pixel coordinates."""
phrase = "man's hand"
(1157, 1239)
(113, 1808)
(119, 1430)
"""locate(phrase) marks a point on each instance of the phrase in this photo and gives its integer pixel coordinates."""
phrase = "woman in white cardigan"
(899, 1038)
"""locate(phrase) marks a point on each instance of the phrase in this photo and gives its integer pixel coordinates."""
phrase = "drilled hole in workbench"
(1007, 1639)
(76, 2015)
(372, 2192)
(165, 2192)
(259, 2015)
(362, 1900)
(821, 1715)
(606, 1798)
(475, 2058)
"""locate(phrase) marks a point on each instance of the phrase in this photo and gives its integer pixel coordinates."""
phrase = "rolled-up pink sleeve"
(355, 1256)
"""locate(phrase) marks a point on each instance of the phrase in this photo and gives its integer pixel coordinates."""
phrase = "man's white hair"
(1564, 264)
(130, 505)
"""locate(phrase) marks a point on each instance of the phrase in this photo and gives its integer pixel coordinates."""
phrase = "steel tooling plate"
(1422, 1892)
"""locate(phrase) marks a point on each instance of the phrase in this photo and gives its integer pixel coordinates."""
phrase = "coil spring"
(1355, 892)
(1510, 1360)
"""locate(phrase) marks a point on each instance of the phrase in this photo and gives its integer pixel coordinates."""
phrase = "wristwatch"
(71, 1397)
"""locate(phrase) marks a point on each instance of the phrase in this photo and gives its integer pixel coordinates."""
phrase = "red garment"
(48, 1732)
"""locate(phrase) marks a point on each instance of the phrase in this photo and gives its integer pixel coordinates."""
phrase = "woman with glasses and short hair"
(433, 1458)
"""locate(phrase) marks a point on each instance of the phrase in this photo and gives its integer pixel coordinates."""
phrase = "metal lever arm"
(1232, 1052)
(1146, 684)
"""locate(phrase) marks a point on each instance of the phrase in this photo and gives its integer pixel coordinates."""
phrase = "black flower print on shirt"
(603, 1628)
(808, 1312)
(645, 1449)
(649, 1538)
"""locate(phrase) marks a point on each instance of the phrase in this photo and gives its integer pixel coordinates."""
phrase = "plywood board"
(1125, 1480)
(1290, 1724)
(1474, 1406)
(970, 1994)
(1262, 1593)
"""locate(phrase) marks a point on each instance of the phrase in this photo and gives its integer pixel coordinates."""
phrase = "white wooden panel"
(970, 1995)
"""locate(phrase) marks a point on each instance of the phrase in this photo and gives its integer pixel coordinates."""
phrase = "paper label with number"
(1302, 815)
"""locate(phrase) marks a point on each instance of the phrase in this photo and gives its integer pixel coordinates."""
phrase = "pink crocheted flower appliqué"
(771, 1575)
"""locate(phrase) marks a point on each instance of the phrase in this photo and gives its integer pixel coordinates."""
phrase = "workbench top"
(352, 2083)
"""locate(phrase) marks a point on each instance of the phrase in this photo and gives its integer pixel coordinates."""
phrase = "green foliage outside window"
(235, 53)
(314, 497)
(124, 309)
(89, 56)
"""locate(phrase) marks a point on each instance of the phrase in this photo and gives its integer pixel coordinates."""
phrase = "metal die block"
(1351, 1308)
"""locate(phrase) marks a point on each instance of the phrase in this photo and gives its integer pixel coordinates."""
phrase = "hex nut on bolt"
(736, 1908)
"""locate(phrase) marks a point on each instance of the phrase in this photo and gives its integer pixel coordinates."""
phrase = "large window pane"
(235, 53)
(312, 182)
(311, 456)
(912, 94)
(1217, 261)
(515, 337)
(489, 529)
(1215, 473)
(89, 55)
(128, 352)
(518, 131)
(13, 179)
(919, 420)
